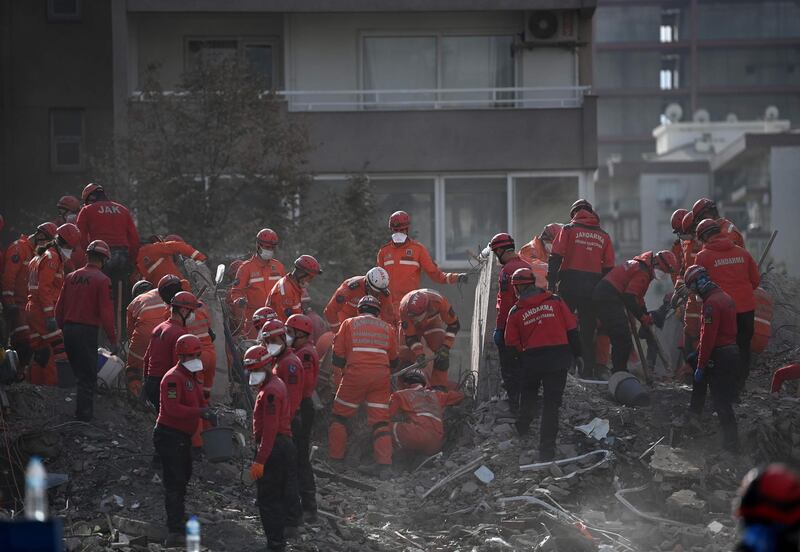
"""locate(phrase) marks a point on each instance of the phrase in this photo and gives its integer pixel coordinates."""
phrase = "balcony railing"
(440, 98)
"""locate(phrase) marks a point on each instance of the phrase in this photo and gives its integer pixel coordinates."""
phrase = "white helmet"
(378, 279)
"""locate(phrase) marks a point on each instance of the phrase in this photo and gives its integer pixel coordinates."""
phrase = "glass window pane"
(755, 19)
(399, 63)
(475, 210)
(412, 195)
(476, 62)
(211, 51)
(68, 153)
(67, 122)
(749, 67)
(259, 59)
(627, 23)
(540, 200)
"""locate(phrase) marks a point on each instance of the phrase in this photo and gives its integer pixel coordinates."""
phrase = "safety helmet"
(233, 268)
(687, 224)
(185, 300)
(706, 229)
(414, 376)
(579, 205)
(666, 261)
(70, 234)
(256, 358)
(263, 315)
(399, 220)
(168, 280)
(770, 495)
(272, 328)
(48, 229)
(142, 286)
(501, 242)
(173, 237)
(368, 303)
(69, 203)
(551, 231)
(308, 264)
(378, 279)
(417, 304)
(523, 277)
(300, 322)
(677, 220)
(89, 190)
(100, 247)
(188, 344)
(694, 275)
(267, 238)
(702, 206)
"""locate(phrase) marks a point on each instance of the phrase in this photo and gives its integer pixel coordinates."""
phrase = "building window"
(66, 140)
(669, 25)
(63, 10)
(412, 195)
(474, 207)
(260, 55)
(540, 200)
(670, 72)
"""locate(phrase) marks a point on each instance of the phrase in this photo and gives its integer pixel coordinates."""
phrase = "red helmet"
(300, 322)
(771, 495)
(523, 277)
(677, 220)
(693, 274)
(273, 328)
(367, 303)
(501, 241)
(185, 300)
(256, 358)
(666, 261)
(707, 228)
(308, 264)
(687, 224)
(551, 231)
(417, 304)
(581, 204)
(100, 247)
(188, 344)
(415, 376)
(69, 203)
(70, 234)
(233, 268)
(702, 206)
(48, 229)
(263, 315)
(168, 280)
(173, 237)
(399, 220)
(140, 287)
(89, 190)
(267, 238)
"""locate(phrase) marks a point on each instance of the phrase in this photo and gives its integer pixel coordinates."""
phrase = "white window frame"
(241, 42)
(56, 140)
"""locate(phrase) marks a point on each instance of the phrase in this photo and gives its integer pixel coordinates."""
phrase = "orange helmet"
(666, 261)
(263, 315)
(417, 304)
(256, 358)
(267, 238)
(399, 220)
(301, 322)
(273, 328)
(706, 229)
(70, 234)
(188, 344)
(69, 203)
(89, 190)
(308, 264)
(677, 220)
(185, 300)
(100, 247)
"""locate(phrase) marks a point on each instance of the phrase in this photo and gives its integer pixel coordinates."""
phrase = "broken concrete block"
(715, 527)
(674, 463)
(686, 500)
(139, 528)
(469, 487)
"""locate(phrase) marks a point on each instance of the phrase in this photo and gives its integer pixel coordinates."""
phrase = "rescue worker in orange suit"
(405, 259)
(84, 306)
(717, 357)
(182, 406)
(286, 296)
(426, 314)
(155, 259)
(261, 317)
(621, 291)
(255, 279)
(274, 468)
(103, 219)
(542, 330)
(582, 254)
(768, 504)
(365, 348)
(298, 337)
(537, 251)
(15, 287)
(160, 354)
(68, 208)
(421, 410)
(705, 208)
(502, 245)
(45, 279)
(344, 302)
(733, 269)
(691, 317)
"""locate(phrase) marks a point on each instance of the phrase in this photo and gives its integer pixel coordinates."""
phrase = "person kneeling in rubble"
(422, 410)
(544, 333)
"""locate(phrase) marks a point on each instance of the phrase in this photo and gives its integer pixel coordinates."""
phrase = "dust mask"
(257, 378)
(66, 253)
(191, 318)
(399, 237)
(289, 340)
(548, 247)
(71, 217)
(659, 274)
(266, 254)
(194, 365)
(273, 349)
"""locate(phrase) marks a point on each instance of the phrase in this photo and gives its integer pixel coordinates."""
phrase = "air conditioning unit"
(551, 26)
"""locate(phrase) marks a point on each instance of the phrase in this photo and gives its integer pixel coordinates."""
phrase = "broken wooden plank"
(350, 482)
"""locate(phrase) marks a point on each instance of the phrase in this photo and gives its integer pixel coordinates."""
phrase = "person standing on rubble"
(542, 330)
(182, 406)
(286, 296)
(344, 302)
(83, 306)
(581, 255)
(255, 278)
(155, 259)
(768, 505)
(705, 208)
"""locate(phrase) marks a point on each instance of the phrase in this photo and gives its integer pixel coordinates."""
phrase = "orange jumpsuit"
(729, 230)
(364, 347)
(45, 278)
(422, 429)
(405, 263)
(144, 313)
(201, 327)
(154, 260)
(15, 291)
(286, 298)
(344, 303)
(691, 319)
(254, 281)
(438, 328)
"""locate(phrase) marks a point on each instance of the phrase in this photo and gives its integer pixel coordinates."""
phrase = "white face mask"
(659, 274)
(71, 217)
(257, 378)
(191, 318)
(289, 340)
(194, 365)
(273, 349)
(399, 237)
(67, 253)
(266, 254)
(548, 247)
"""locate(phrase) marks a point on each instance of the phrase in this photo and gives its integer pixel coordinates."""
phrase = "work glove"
(691, 359)
(50, 324)
(241, 302)
(499, 337)
(646, 320)
(442, 360)
(256, 471)
(210, 415)
(698, 375)
(463, 278)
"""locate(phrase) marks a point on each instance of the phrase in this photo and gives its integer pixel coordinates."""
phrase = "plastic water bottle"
(193, 535)
(35, 490)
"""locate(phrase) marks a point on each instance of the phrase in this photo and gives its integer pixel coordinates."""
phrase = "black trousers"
(118, 268)
(302, 441)
(152, 391)
(745, 326)
(721, 378)
(294, 517)
(175, 449)
(509, 372)
(614, 316)
(584, 308)
(80, 344)
(276, 489)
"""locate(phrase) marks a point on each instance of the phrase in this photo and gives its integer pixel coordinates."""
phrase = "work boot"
(175, 540)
